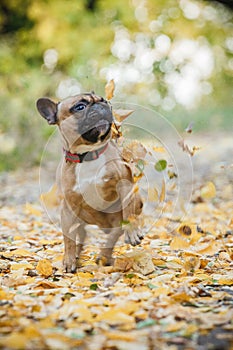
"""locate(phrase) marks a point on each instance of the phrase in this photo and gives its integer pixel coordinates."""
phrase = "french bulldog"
(95, 184)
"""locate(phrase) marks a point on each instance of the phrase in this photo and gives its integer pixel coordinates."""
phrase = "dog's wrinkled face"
(83, 119)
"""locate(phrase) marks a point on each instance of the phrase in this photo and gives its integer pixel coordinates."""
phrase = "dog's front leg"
(71, 227)
(105, 256)
(131, 208)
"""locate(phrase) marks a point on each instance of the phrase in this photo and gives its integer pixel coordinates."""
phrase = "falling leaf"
(140, 165)
(163, 192)
(189, 128)
(109, 89)
(171, 174)
(32, 210)
(116, 132)
(153, 195)
(50, 198)
(208, 191)
(187, 149)
(121, 114)
(159, 149)
(134, 151)
(44, 268)
(161, 165)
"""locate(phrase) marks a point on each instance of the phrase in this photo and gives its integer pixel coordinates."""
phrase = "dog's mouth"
(98, 132)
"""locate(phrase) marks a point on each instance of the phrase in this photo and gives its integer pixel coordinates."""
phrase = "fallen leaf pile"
(175, 291)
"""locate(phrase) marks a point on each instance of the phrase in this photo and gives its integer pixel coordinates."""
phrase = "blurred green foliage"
(83, 43)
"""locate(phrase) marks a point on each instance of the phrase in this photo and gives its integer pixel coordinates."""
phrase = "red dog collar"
(84, 157)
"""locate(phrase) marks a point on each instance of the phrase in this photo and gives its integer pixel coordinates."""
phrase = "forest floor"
(174, 291)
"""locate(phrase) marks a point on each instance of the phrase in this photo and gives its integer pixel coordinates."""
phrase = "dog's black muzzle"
(96, 123)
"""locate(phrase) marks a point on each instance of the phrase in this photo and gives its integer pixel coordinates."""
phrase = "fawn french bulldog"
(94, 182)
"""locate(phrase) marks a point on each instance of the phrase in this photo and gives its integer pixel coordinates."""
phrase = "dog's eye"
(79, 107)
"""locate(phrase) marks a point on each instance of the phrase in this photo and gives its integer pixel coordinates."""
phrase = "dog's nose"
(103, 110)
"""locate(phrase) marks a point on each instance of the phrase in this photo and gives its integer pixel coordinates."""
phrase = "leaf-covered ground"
(175, 291)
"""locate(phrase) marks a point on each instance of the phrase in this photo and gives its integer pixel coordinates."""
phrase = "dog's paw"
(133, 237)
(70, 264)
(105, 260)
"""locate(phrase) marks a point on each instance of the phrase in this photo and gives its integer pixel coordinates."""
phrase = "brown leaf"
(134, 152)
(116, 132)
(123, 263)
(121, 114)
(186, 148)
(189, 128)
(109, 89)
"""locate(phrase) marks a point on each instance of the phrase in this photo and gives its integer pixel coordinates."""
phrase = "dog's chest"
(91, 179)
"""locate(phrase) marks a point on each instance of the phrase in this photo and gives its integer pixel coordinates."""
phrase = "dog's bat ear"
(48, 109)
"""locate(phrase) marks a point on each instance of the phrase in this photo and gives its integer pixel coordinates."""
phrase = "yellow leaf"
(115, 316)
(32, 210)
(120, 336)
(174, 327)
(22, 253)
(190, 329)
(225, 280)
(109, 89)
(189, 230)
(25, 266)
(192, 263)
(50, 198)
(159, 149)
(160, 291)
(46, 285)
(44, 268)
(137, 178)
(153, 195)
(50, 242)
(83, 313)
(15, 340)
(121, 114)
(163, 192)
(179, 243)
(208, 191)
(115, 129)
(209, 248)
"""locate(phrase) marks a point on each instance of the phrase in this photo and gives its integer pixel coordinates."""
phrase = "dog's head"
(84, 120)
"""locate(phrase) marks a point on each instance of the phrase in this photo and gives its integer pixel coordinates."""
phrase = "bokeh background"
(173, 56)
